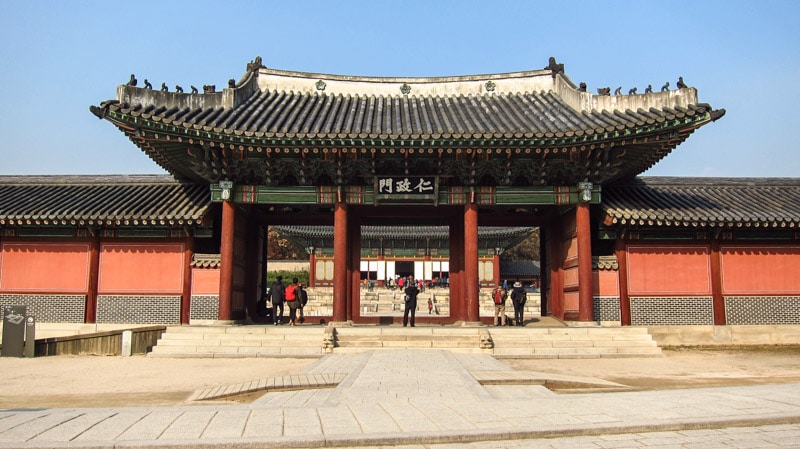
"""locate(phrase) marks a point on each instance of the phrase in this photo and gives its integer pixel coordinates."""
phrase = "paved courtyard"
(421, 398)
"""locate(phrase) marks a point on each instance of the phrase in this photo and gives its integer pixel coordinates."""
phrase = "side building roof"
(702, 203)
(108, 200)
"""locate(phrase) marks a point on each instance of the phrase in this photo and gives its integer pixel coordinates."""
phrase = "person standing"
(276, 293)
(518, 298)
(290, 296)
(499, 295)
(302, 296)
(411, 301)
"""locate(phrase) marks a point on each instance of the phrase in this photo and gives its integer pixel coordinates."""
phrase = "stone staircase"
(315, 340)
(240, 341)
(364, 338)
(574, 342)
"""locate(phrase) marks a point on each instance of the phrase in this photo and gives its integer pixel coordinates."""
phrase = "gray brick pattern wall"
(139, 309)
(762, 310)
(49, 308)
(672, 311)
(204, 308)
(606, 308)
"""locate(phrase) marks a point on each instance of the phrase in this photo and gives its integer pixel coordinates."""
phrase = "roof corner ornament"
(209, 88)
(194, 89)
(232, 83)
(320, 85)
(604, 91)
(681, 84)
(253, 66)
(648, 89)
(665, 87)
(405, 89)
(164, 87)
(490, 86)
(147, 84)
(632, 91)
(582, 87)
(132, 81)
(554, 67)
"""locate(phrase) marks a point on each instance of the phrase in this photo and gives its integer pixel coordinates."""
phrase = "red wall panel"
(669, 270)
(205, 281)
(606, 283)
(141, 268)
(760, 269)
(44, 267)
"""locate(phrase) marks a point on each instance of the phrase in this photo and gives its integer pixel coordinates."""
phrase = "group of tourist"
(296, 298)
(401, 282)
(293, 295)
(518, 298)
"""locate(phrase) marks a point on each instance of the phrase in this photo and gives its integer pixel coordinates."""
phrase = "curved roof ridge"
(89, 179)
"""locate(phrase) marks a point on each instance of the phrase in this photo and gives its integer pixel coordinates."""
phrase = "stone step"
(304, 341)
(574, 342)
(240, 341)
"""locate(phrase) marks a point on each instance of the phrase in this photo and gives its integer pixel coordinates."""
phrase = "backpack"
(302, 296)
(499, 295)
(289, 293)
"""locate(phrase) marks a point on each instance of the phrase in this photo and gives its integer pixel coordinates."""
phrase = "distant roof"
(112, 200)
(372, 232)
(703, 202)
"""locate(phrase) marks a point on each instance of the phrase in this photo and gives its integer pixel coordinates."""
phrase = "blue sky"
(58, 58)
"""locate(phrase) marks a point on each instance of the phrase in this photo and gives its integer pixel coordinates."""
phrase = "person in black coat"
(411, 301)
(276, 294)
(518, 298)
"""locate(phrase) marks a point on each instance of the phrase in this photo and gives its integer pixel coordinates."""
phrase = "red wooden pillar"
(471, 261)
(585, 282)
(312, 268)
(381, 262)
(622, 276)
(226, 260)
(186, 294)
(90, 314)
(496, 270)
(340, 262)
(456, 268)
(720, 318)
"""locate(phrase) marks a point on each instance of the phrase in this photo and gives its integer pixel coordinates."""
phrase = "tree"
(280, 248)
(528, 249)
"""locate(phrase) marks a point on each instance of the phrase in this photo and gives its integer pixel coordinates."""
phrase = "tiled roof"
(703, 202)
(289, 114)
(404, 232)
(113, 200)
(205, 260)
(285, 128)
(605, 263)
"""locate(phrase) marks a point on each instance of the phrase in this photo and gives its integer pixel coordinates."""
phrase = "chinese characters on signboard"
(407, 184)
